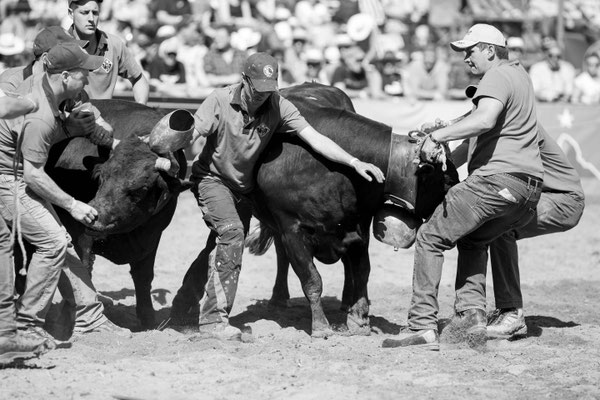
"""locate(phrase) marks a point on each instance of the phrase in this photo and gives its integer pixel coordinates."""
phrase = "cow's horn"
(173, 132)
(163, 164)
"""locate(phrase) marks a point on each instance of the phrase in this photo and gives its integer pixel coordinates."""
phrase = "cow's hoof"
(364, 330)
(322, 333)
(358, 326)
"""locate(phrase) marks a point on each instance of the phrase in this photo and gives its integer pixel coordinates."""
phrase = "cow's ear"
(175, 185)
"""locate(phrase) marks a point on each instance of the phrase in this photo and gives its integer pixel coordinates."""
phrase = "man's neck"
(91, 39)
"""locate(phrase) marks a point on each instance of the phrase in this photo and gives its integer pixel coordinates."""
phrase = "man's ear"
(64, 75)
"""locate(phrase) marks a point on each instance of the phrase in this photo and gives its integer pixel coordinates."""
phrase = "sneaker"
(38, 333)
(425, 339)
(222, 331)
(468, 326)
(17, 347)
(105, 327)
(509, 324)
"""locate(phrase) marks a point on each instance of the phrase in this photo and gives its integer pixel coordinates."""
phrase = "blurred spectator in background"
(11, 48)
(552, 77)
(427, 76)
(286, 78)
(176, 13)
(167, 74)
(587, 83)
(314, 66)
(191, 53)
(391, 67)
(516, 47)
(355, 77)
(118, 59)
(294, 55)
(223, 64)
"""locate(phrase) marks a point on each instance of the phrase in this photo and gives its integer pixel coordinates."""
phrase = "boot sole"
(392, 343)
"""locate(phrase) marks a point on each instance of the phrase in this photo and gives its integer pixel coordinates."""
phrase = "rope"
(16, 226)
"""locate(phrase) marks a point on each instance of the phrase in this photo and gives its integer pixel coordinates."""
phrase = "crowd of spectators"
(368, 48)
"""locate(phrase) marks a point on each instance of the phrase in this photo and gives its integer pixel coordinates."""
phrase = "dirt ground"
(560, 357)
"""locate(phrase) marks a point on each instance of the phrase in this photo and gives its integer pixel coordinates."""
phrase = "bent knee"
(231, 234)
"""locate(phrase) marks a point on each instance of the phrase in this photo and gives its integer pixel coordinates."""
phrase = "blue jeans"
(473, 214)
(41, 227)
(8, 322)
(227, 214)
(555, 212)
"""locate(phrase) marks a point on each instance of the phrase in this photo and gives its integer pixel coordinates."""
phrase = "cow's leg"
(142, 272)
(281, 293)
(357, 258)
(348, 291)
(312, 286)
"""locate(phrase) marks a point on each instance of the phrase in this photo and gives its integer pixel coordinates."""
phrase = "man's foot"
(468, 326)
(105, 327)
(38, 333)
(426, 339)
(17, 347)
(507, 323)
(222, 331)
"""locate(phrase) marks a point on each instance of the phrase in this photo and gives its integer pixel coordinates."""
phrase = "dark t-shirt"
(173, 7)
(351, 79)
(159, 69)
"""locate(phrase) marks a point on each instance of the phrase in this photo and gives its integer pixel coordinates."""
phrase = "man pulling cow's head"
(238, 121)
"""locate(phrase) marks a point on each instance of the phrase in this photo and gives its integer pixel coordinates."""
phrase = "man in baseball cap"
(69, 56)
(238, 121)
(480, 33)
(50, 37)
(262, 70)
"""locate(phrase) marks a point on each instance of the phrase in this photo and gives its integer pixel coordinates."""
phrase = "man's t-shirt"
(36, 131)
(512, 144)
(118, 61)
(354, 80)
(11, 78)
(234, 139)
(559, 174)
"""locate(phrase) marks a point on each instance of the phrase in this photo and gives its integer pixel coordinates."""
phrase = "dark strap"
(401, 179)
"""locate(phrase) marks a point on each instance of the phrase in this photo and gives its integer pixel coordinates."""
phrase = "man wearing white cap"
(238, 121)
(500, 193)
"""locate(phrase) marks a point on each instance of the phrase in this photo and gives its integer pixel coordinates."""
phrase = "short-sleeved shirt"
(354, 80)
(11, 78)
(559, 174)
(235, 139)
(39, 129)
(512, 144)
(118, 61)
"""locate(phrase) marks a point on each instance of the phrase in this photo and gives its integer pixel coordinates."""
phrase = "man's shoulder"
(11, 78)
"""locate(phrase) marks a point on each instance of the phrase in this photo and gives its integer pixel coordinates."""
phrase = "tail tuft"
(259, 239)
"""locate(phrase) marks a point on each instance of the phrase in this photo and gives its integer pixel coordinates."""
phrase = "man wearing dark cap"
(500, 193)
(118, 59)
(77, 123)
(27, 141)
(238, 121)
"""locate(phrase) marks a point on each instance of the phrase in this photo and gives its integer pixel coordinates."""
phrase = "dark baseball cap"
(67, 56)
(82, 1)
(263, 71)
(50, 37)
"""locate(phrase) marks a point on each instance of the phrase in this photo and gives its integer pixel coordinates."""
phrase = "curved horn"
(162, 164)
(173, 132)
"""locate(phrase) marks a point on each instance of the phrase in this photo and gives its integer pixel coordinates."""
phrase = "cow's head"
(132, 187)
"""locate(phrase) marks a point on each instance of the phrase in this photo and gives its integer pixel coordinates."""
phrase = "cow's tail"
(259, 239)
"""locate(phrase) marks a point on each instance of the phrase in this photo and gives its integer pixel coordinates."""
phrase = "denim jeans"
(555, 212)
(227, 214)
(8, 322)
(473, 214)
(41, 227)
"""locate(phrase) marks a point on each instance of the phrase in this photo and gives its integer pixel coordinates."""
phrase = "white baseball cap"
(480, 33)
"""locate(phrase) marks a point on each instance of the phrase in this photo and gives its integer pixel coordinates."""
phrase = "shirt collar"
(101, 39)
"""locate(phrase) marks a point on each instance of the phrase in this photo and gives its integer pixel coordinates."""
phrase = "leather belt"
(528, 179)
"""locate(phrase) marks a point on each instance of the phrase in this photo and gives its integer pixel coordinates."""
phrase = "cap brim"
(92, 63)
(461, 45)
(264, 85)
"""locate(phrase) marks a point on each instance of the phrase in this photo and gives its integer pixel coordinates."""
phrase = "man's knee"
(230, 247)
(55, 244)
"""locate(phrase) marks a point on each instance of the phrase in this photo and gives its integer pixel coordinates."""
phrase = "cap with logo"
(262, 70)
(480, 33)
(50, 37)
(67, 56)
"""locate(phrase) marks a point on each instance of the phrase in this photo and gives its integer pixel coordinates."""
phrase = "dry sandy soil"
(560, 357)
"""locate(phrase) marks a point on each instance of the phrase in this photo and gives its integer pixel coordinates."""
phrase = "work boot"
(105, 327)
(220, 330)
(507, 323)
(17, 346)
(467, 326)
(38, 333)
(425, 339)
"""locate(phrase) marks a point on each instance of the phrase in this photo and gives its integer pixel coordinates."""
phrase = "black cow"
(134, 200)
(323, 209)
